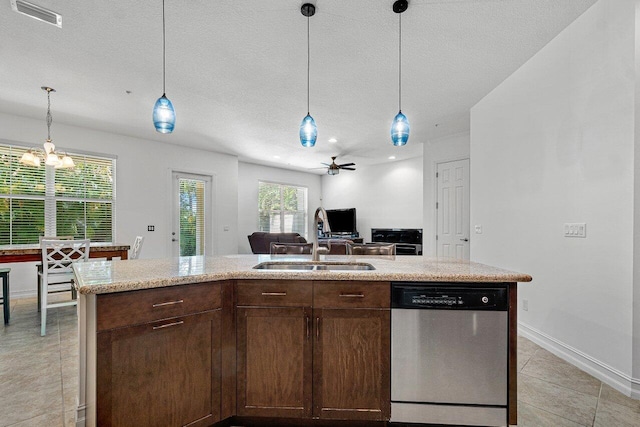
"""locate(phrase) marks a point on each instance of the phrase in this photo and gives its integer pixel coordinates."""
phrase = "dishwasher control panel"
(434, 296)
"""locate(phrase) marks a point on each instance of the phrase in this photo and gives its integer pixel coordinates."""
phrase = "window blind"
(192, 217)
(36, 201)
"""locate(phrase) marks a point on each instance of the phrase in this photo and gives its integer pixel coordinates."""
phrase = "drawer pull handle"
(168, 324)
(359, 295)
(308, 327)
(275, 294)
(162, 304)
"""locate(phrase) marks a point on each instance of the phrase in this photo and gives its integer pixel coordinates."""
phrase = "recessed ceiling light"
(276, 157)
(333, 140)
(392, 157)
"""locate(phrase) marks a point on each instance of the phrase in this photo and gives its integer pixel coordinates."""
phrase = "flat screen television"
(342, 221)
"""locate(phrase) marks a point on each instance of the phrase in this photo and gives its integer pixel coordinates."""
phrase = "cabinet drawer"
(136, 307)
(351, 294)
(274, 293)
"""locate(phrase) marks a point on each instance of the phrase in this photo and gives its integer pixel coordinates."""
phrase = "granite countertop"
(98, 277)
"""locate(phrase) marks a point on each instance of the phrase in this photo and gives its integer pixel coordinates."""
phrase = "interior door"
(452, 209)
(192, 219)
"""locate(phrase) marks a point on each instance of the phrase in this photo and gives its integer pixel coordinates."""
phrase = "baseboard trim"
(23, 294)
(622, 382)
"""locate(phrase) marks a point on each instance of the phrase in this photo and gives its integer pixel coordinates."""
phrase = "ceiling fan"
(334, 169)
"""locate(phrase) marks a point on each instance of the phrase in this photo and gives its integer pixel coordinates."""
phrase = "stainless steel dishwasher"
(449, 354)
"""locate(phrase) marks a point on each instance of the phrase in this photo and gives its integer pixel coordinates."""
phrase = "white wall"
(143, 186)
(248, 176)
(554, 144)
(453, 147)
(387, 195)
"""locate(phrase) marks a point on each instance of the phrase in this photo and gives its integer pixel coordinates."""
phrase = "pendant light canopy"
(308, 129)
(400, 126)
(164, 116)
(49, 156)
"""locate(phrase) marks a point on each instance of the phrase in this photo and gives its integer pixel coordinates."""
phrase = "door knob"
(464, 240)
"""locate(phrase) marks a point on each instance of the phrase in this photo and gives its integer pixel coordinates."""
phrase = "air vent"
(37, 12)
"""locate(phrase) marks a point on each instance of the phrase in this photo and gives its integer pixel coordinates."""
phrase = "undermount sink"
(317, 266)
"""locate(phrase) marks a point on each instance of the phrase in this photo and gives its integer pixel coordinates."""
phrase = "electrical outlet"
(151, 228)
(525, 304)
(575, 229)
(478, 229)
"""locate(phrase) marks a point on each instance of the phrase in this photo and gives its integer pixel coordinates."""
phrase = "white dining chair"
(136, 248)
(39, 266)
(58, 257)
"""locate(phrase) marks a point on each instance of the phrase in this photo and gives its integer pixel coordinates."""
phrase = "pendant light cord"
(308, 64)
(400, 64)
(49, 117)
(164, 55)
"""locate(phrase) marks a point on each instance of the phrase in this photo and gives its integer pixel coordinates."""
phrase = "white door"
(192, 206)
(452, 209)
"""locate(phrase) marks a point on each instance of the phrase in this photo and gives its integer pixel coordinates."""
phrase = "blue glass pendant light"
(400, 126)
(308, 128)
(164, 116)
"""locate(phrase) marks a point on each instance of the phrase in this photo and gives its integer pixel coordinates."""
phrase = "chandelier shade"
(35, 156)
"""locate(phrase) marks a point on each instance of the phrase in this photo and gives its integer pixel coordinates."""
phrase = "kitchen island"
(192, 340)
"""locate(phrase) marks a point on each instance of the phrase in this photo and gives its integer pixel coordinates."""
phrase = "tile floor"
(38, 379)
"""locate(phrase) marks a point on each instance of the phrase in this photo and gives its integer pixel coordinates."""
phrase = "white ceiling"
(236, 70)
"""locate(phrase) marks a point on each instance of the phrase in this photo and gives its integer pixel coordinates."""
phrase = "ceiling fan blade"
(348, 169)
(347, 164)
(326, 164)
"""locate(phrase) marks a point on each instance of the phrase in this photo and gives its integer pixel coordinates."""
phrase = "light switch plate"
(575, 229)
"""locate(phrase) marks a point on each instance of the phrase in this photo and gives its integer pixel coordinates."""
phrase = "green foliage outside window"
(78, 201)
(282, 208)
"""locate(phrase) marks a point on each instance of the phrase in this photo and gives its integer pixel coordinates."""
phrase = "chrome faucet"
(325, 229)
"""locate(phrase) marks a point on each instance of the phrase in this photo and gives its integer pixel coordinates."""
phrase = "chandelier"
(49, 156)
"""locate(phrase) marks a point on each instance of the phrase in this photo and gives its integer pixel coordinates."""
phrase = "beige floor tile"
(48, 420)
(563, 402)
(611, 414)
(526, 349)
(610, 394)
(546, 366)
(530, 416)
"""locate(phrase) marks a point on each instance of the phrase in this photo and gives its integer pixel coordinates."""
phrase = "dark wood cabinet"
(331, 362)
(274, 361)
(274, 353)
(351, 364)
(159, 368)
(351, 354)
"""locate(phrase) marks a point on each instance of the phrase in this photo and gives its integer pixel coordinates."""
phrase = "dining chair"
(39, 266)
(290, 248)
(58, 257)
(137, 246)
(371, 249)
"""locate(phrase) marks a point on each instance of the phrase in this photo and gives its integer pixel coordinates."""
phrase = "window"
(282, 208)
(36, 201)
(192, 215)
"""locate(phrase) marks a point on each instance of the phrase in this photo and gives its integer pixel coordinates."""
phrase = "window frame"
(283, 212)
(50, 199)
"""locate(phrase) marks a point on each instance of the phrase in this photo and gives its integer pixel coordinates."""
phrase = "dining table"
(33, 252)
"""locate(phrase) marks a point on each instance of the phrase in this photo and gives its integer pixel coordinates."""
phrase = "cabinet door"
(165, 373)
(274, 360)
(352, 364)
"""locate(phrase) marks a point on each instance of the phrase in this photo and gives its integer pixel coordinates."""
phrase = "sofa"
(260, 242)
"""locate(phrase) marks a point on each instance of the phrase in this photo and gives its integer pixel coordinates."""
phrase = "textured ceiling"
(236, 70)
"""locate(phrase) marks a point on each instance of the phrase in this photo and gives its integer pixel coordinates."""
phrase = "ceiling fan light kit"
(334, 168)
(164, 116)
(400, 126)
